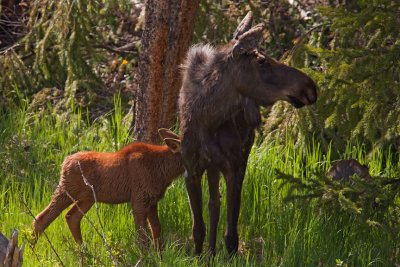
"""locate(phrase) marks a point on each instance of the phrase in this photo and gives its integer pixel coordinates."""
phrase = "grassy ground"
(272, 232)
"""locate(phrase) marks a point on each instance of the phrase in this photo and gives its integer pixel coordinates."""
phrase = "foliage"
(351, 52)
(374, 201)
(272, 232)
(217, 20)
(353, 55)
(66, 46)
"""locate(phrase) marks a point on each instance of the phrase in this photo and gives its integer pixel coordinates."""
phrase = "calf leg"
(140, 213)
(74, 217)
(155, 225)
(59, 202)
(193, 186)
(213, 205)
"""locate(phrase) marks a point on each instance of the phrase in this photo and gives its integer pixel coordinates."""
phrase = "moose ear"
(173, 144)
(167, 133)
(244, 26)
(248, 41)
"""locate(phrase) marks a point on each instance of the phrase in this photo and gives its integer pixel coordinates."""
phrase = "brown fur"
(342, 170)
(139, 173)
(222, 89)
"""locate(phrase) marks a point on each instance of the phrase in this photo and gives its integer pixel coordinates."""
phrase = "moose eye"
(261, 60)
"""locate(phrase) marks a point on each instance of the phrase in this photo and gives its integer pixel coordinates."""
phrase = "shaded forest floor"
(272, 232)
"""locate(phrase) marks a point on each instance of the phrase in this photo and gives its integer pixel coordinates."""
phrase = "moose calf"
(138, 173)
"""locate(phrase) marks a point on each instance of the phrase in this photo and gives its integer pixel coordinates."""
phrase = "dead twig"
(28, 210)
(115, 262)
(129, 48)
(6, 49)
(84, 215)
(89, 220)
(288, 55)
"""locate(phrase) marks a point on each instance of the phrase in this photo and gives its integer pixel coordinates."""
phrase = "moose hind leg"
(193, 186)
(213, 206)
(74, 217)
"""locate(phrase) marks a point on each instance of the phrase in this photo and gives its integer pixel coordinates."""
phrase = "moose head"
(262, 78)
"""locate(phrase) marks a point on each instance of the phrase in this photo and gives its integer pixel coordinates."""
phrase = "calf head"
(261, 77)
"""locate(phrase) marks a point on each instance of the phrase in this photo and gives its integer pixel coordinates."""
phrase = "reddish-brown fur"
(139, 173)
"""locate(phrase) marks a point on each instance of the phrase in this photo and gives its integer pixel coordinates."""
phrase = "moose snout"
(304, 97)
(303, 90)
(311, 96)
(309, 93)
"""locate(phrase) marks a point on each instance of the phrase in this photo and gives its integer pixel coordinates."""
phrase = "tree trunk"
(166, 38)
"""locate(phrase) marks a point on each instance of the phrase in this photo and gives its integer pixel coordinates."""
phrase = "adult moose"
(219, 109)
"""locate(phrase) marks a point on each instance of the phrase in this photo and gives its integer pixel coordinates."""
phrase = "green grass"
(272, 232)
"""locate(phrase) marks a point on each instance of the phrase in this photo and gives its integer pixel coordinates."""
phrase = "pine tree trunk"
(166, 38)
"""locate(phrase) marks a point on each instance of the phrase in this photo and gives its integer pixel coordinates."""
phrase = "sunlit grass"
(272, 232)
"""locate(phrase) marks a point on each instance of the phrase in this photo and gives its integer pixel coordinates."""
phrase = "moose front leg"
(213, 205)
(193, 186)
(234, 180)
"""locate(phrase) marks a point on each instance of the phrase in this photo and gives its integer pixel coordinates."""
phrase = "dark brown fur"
(219, 103)
(139, 173)
(342, 170)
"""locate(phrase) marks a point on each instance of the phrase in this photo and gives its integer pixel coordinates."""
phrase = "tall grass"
(272, 232)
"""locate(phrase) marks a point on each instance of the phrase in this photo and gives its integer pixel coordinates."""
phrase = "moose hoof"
(231, 244)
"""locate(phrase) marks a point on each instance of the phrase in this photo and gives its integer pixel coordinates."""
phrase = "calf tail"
(59, 202)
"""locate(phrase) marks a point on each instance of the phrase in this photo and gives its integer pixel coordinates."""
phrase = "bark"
(166, 38)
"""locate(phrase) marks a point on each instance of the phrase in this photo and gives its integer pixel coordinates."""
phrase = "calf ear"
(248, 41)
(173, 144)
(244, 26)
(167, 133)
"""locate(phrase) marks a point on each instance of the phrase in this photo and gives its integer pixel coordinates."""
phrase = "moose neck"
(209, 94)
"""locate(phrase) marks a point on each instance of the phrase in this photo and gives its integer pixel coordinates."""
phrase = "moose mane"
(199, 59)
(207, 80)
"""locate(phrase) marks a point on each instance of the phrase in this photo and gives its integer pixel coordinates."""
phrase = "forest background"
(72, 69)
